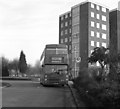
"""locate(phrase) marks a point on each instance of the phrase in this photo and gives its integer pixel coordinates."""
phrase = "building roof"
(65, 13)
(119, 5)
(56, 46)
(88, 1)
(116, 9)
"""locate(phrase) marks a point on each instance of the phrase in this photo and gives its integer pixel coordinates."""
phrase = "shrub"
(107, 92)
(95, 73)
(86, 80)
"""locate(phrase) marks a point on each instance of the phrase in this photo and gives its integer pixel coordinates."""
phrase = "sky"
(29, 25)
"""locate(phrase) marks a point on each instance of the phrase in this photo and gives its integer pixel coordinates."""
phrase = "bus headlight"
(46, 76)
(67, 76)
(66, 79)
(62, 80)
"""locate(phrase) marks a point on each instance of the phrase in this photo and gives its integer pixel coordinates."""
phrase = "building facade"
(119, 5)
(90, 29)
(65, 30)
(114, 31)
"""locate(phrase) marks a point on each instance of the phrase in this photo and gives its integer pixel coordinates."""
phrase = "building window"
(98, 44)
(61, 25)
(98, 16)
(70, 47)
(61, 41)
(92, 43)
(92, 14)
(62, 17)
(103, 9)
(98, 35)
(66, 16)
(92, 5)
(66, 31)
(92, 24)
(103, 18)
(92, 33)
(104, 45)
(104, 27)
(98, 25)
(61, 33)
(98, 7)
(66, 39)
(66, 23)
(70, 30)
(104, 35)
(69, 39)
(70, 14)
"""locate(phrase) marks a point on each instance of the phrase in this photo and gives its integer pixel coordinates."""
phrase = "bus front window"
(55, 68)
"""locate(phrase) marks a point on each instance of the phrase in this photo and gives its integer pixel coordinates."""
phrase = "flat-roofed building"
(119, 5)
(115, 31)
(90, 29)
(65, 30)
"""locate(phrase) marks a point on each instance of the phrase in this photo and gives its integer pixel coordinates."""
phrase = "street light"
(75, 61)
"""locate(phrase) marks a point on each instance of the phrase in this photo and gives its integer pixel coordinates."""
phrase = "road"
(32, 94)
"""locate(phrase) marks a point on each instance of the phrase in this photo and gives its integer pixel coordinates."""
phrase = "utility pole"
(75, 62)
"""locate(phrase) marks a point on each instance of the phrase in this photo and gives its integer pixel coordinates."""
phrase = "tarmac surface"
(32, 94)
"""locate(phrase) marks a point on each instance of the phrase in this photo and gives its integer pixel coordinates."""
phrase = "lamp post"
(75, 62)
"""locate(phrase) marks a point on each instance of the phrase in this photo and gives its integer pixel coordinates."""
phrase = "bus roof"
(56, 46)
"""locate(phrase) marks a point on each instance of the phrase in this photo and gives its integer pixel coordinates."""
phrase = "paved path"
(32, 94)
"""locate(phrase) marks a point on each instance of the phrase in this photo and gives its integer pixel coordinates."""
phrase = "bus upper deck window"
(61, 51)
(50, 51)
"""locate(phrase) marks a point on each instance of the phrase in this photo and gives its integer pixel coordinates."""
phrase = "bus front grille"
(53, 80)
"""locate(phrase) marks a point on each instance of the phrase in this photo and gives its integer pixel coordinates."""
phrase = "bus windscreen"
(55, 68)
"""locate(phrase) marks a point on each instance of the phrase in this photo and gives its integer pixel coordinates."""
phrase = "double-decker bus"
(54, 62)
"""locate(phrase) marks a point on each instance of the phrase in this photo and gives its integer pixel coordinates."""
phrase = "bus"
(54, 63)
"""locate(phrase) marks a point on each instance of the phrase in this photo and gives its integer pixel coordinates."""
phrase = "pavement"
(78, 101)
(32, 94)
(15, 90)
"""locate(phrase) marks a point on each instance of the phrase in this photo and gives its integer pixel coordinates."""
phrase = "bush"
(107, 92)
(95, 73)
(110, 94)
(86, 80)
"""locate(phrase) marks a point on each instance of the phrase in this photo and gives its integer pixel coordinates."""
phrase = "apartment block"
(90, 29)
(65, 31)
(119, 5)
(114, 31)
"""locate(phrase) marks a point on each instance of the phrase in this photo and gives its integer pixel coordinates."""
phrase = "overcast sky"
(29, 25)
